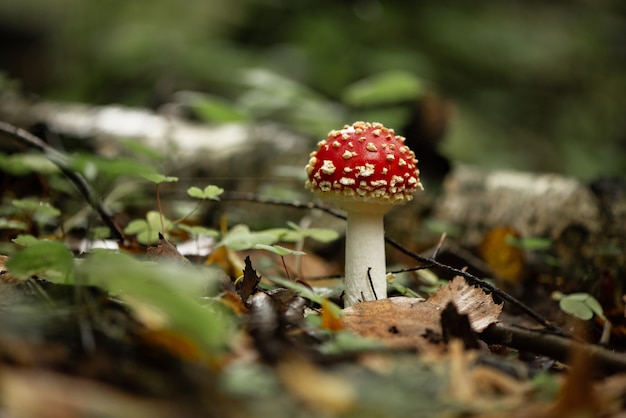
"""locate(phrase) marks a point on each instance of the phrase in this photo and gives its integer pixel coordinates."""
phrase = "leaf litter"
(293, 354)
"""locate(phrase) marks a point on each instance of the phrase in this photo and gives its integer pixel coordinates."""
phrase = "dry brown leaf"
(165, 250)
(248, 283)
(403, 322)
(469, 300)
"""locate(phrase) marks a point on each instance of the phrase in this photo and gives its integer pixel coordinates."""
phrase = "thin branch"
(482, 283)
(430, 262)
(62, 161)
(553, 346)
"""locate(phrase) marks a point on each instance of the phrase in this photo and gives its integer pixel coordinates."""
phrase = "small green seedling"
(210, 192)
(147, 230)
(158, 179)
(240, 238)
(296, 233)
(582, 306)
(36, 211)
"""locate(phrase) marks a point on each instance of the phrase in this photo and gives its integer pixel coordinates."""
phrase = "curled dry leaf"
(469, 300)
(166, 251)
(248, 283)
(404, 322)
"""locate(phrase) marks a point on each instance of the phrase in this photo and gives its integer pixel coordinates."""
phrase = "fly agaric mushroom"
(365, 169)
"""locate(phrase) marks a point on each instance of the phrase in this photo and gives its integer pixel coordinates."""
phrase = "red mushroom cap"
(365, 162)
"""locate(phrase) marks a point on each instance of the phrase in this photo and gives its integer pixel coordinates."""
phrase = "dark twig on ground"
(553, 346)
(62, 161)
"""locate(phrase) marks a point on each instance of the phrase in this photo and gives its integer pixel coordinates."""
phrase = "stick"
(62, 161)
(553, 346)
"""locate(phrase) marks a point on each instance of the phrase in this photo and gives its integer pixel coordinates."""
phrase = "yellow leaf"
(506, 260)
(329, 319)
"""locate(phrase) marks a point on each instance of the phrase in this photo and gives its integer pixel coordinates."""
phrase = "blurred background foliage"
(522, 84)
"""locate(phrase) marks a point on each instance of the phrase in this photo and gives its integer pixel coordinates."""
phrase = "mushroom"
(365, 169)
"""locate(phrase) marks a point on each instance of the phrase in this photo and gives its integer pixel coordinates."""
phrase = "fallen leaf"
(506, 260)
(469, 300)
(227, 260)
(247, 285)
(165, 250)
(403, 322)
(330, 321)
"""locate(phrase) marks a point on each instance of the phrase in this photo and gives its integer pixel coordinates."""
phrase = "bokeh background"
(527, 84)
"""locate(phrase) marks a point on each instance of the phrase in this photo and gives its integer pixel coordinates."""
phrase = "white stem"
(365, 276)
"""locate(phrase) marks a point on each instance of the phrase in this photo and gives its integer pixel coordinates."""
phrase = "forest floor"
(271, 338)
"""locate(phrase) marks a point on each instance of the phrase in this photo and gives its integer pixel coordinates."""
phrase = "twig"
(430, 262)
(62, 161)
(482, 283)
(553, 346)
(369, 277)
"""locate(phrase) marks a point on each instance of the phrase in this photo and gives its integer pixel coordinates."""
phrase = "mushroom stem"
(365, 275)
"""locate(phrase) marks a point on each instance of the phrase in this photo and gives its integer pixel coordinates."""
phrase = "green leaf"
(195, 192)
(25, 240)
(581, 305)
(384, 88)
(21, 164)
(210, 192)
(147, 230)
(199, 230)
(36, 207)
(240, 238)
(284, 234)
(321, 234)
(296, 233)
(172, 289)
(277, 249)
(100, 232)
(529, 243)
(158, 178)
(91, 166)
(49, 259)
(136, 226)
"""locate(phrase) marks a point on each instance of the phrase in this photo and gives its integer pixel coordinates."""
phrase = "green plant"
(175, 290)
(581, 305)
(36, 212)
